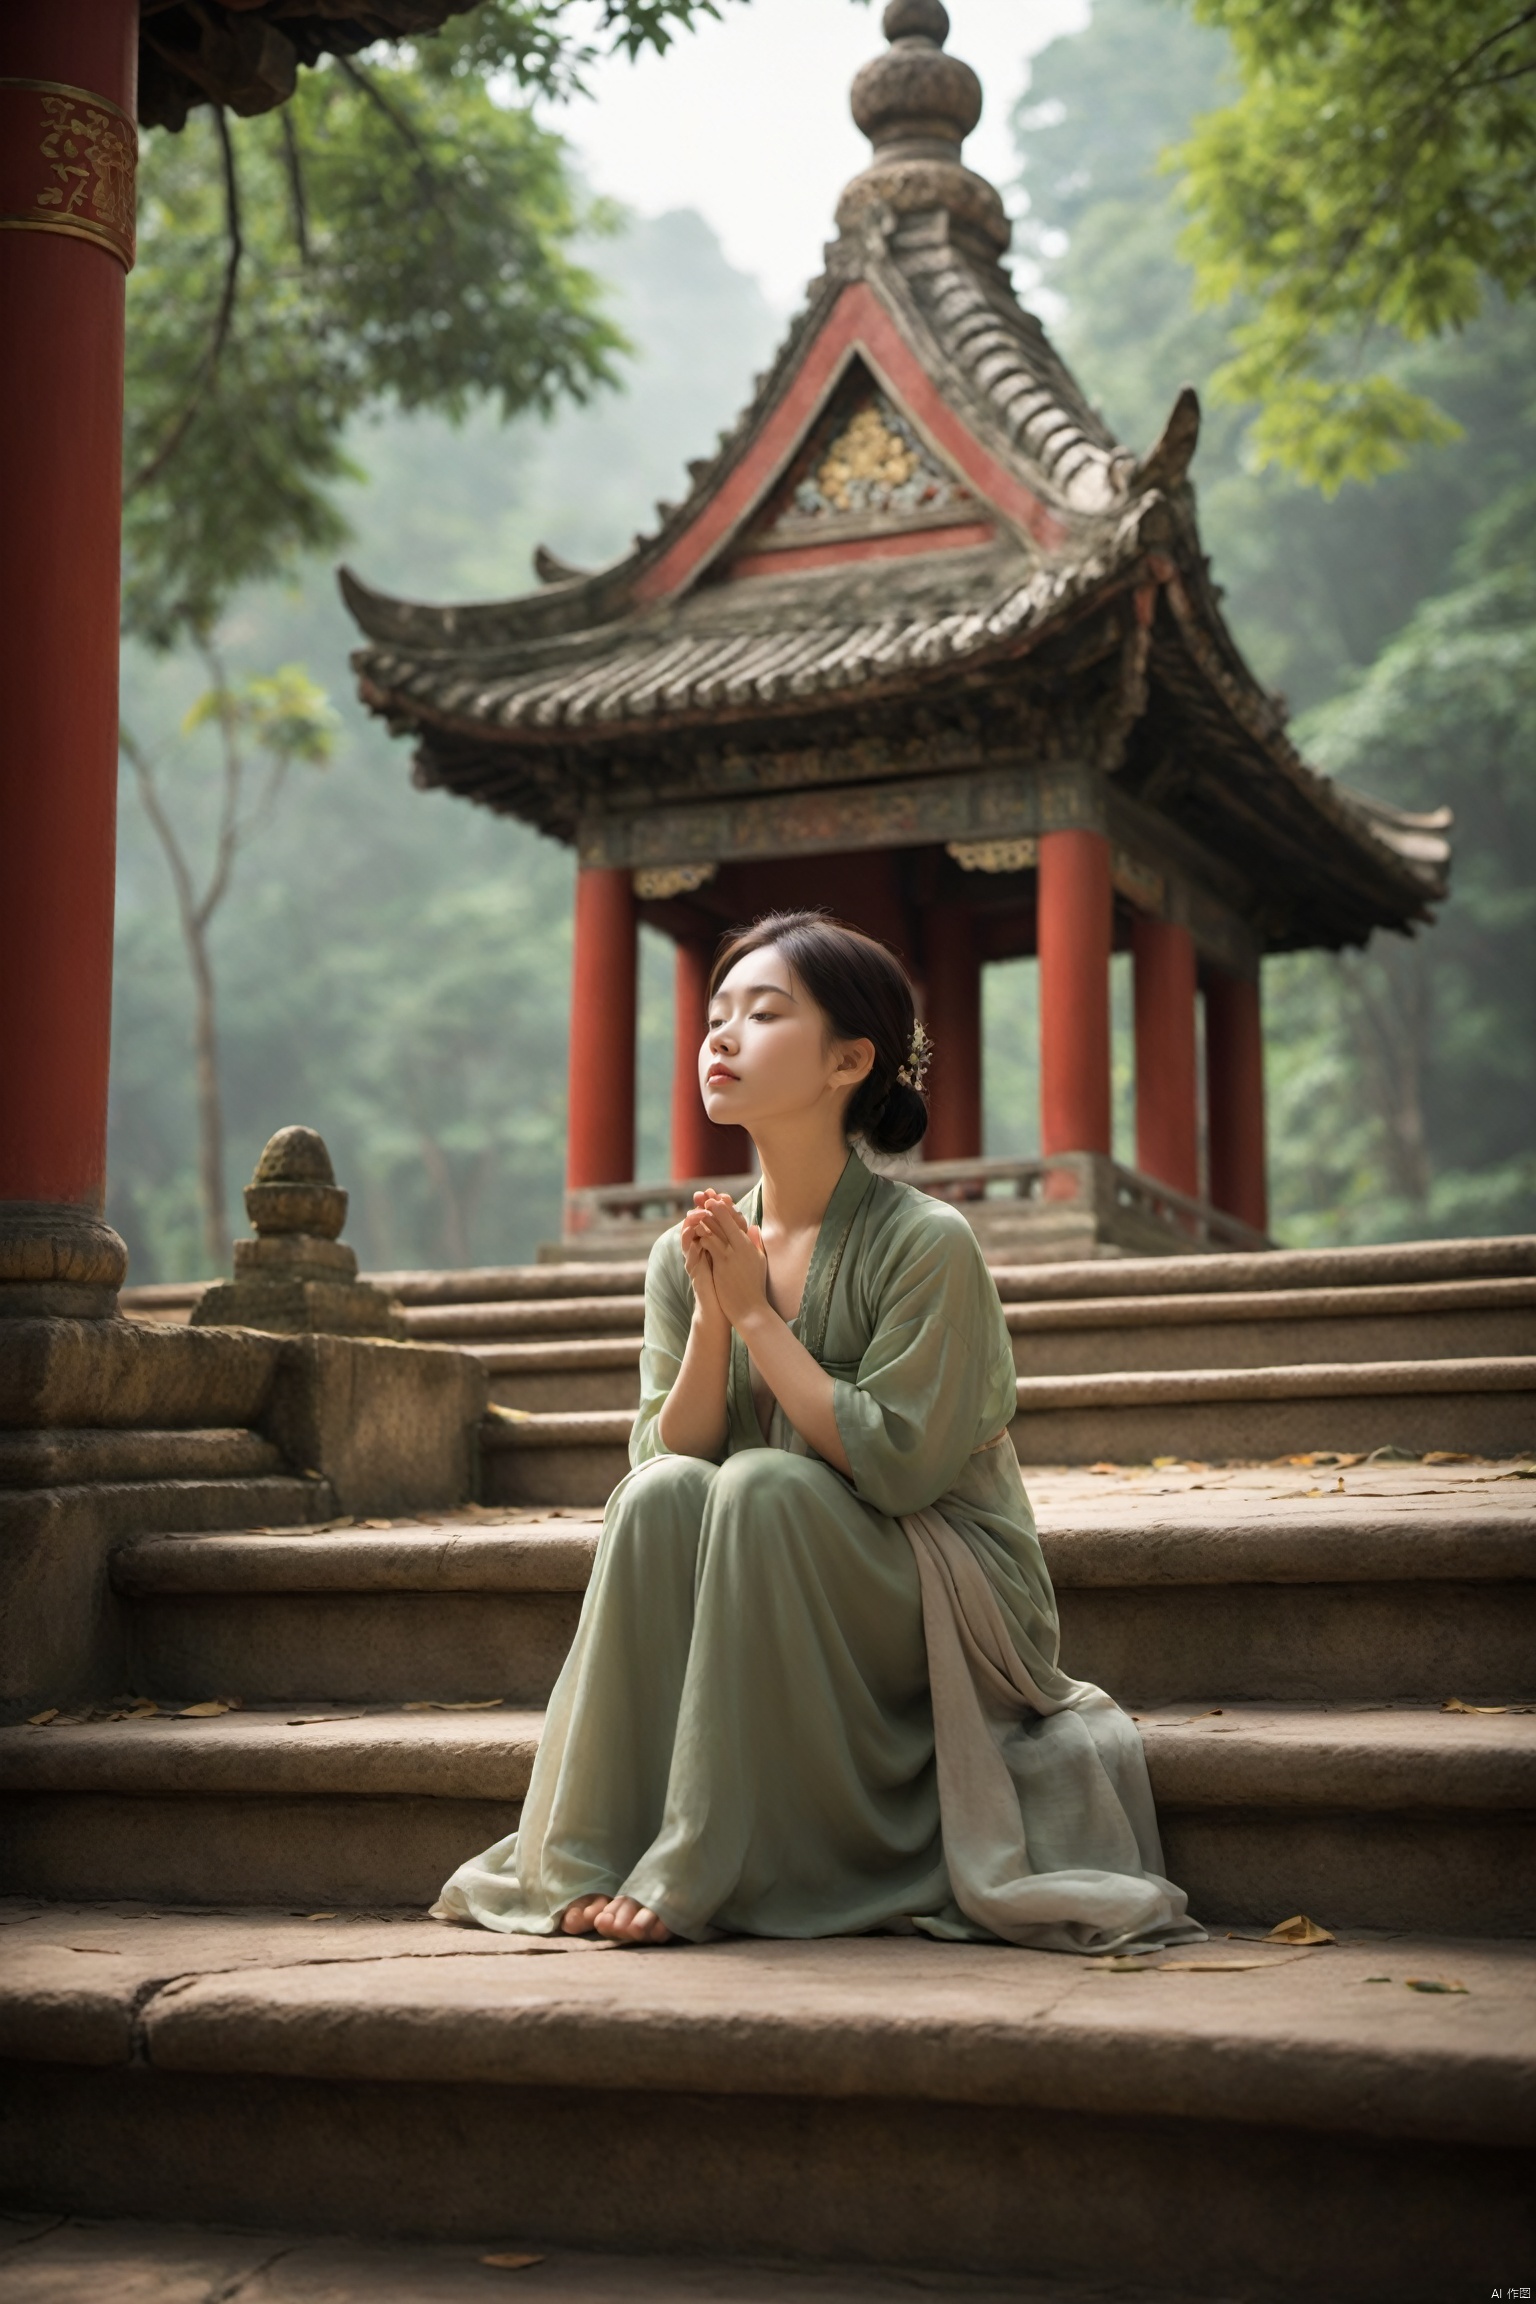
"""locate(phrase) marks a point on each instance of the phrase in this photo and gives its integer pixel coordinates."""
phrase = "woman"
(814, 1690)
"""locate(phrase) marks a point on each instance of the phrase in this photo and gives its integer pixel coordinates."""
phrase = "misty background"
(393, 966)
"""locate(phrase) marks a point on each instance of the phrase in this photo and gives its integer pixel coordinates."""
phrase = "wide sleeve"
(935, 1379)
(668, 1314)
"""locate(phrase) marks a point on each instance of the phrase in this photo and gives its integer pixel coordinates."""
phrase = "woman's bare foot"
(626, 1922)
(580, 1918)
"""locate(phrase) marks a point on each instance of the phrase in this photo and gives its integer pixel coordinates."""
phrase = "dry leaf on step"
(1217, 1967)
(1434, 1984)
(41, 1719)
(511, 2261)
(1455, 1704)
(434, 1704)
(1448, 1456)
(1299, 1930)
(210, 1710)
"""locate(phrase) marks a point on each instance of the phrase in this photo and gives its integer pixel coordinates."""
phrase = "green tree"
(399, 236)
(395, 955)
(1375, 177)
(282, 719)
(1391, 615)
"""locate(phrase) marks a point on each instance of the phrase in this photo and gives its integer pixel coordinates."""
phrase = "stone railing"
(1072, 1203)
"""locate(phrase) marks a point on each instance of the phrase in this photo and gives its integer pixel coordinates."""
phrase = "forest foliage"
(393, 965)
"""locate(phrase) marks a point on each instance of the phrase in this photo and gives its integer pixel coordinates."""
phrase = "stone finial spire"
(917, 106)
(296, 1275)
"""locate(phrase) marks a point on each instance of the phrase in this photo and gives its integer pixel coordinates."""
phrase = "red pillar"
(1234, 1096)
(600, 1122)
(699, 1146)
(1074, 926)
(66, 238)
(952, 1014)
(1167, 1093)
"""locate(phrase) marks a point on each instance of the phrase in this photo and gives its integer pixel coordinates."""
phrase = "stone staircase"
(222, 2001)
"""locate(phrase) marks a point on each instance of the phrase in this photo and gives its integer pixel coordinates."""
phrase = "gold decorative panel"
(68, 162)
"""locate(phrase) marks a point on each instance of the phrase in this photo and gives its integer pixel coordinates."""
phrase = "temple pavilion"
(924, 643)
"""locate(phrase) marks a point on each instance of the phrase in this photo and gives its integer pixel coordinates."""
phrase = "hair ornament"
(914, 1073)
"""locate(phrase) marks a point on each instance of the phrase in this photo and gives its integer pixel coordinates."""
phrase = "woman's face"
(768, 1053)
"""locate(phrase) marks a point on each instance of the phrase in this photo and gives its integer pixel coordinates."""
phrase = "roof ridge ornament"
(917, 106)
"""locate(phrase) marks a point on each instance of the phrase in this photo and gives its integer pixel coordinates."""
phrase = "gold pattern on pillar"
(68, 162)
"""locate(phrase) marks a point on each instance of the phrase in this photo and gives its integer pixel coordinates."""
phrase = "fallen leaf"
(41, 1719)
(1434, 1984)
(321, 1719)
(1311, 1491)
(1217, 1967)
(433, 1704)
(1103, 1467)
(1163, 1463)
(511, 2262)
(1449, 1456)
(1378, 1979)
(375, 1523)
(1125, 1967)
(1299, 1930)
(1306, 1462)
(1455, 1704)
(210, 1710)
(320, 1915)
(1392, 1454)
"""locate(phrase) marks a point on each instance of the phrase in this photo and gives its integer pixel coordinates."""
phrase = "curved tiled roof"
(245, 54)
(505, 696)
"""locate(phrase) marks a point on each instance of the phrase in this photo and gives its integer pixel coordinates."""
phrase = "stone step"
(568, 1373)
(65, 1634)
(124, 1374)
(1389, 1817)
(1484, 1407)
(589, 1316)
(1476, 1319)
(1231, 1594)
(70, 1457)
(1307, 2127)
(1252, 1328)
(1394, 1263)
(84, 2260)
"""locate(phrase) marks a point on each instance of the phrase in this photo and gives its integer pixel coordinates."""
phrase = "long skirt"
(772, 1692)
(741, 1737)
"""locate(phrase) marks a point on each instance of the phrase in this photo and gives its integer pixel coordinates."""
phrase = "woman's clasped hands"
(725, 1259)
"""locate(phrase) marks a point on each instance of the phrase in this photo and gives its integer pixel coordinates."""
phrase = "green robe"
(743, 1735)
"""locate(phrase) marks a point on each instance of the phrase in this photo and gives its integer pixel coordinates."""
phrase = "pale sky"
(747, 119)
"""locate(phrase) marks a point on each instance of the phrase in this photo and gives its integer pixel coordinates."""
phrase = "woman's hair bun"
(900, 1121)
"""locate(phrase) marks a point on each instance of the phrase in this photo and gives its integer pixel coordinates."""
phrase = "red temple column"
(600, 1109)
(1234, 1096)
(699, 1147)
(952, 1014)
(1167, 1091)
(67, 154)
(1074, 925)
